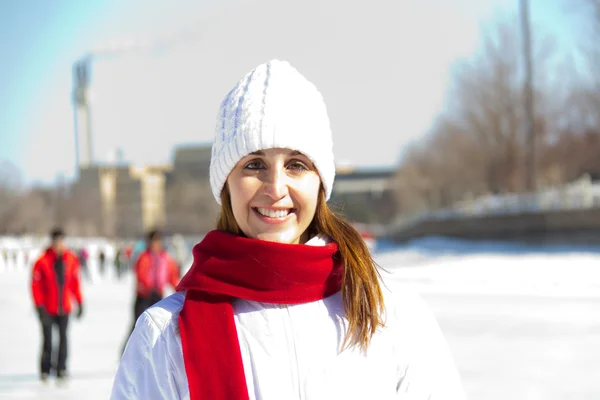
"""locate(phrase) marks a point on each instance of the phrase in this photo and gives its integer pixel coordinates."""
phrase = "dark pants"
(141, 304)
(60, 363)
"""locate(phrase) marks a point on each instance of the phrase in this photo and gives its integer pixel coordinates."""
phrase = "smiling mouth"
(266, 212)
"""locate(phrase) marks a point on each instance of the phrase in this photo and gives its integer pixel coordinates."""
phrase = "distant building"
(364, 196)
(125, 201)
(191, 162)
(140, 200)
(87, 191)
(190, 207)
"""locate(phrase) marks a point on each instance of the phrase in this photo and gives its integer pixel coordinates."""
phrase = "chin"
(278, 237)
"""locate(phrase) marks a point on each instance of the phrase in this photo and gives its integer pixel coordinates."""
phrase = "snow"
(523, 322)
(577, 195)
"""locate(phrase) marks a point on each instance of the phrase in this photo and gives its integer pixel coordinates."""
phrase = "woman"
(283, 300)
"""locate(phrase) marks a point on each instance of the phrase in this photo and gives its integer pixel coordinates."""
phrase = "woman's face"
(274, 195)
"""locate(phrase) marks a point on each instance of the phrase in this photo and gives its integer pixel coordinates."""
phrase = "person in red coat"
(55, 282)
(154, 270)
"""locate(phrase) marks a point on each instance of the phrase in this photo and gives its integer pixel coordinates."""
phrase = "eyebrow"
(262, 153)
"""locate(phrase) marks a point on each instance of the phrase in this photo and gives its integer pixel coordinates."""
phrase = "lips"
(274, 213)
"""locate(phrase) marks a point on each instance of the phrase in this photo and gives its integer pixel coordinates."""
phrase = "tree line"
(478, 144)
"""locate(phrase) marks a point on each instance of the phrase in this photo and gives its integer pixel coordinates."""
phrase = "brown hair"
(361, 293)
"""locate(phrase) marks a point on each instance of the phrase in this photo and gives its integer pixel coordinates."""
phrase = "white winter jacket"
(293, 352)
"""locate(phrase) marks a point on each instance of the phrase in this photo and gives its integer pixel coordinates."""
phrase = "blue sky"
(31, 34)
(383, 70)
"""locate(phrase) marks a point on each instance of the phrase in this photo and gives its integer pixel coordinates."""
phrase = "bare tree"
(477, 145)
(487, 103)
(10, 193)
(33, 213)
(440, 171)
(588, 23)
(587, 93)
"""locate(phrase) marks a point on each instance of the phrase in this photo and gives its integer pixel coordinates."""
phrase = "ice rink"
(522, 322)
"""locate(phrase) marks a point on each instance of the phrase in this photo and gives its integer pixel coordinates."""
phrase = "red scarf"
(227, 267)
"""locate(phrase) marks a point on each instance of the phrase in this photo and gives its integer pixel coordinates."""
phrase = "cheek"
(237, 202)
(240, 193)
(310, 193)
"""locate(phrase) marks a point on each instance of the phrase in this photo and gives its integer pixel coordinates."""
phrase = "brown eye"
(296, 165)
(254, 165)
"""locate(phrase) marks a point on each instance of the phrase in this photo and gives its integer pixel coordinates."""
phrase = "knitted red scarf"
(227, 267)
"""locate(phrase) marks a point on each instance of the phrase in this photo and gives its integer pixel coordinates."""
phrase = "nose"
(275, 183)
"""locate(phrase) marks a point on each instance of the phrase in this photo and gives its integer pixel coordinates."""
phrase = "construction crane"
(82, 80)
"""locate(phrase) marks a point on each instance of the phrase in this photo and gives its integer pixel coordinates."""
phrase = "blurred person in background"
(137, 248)
(154, 270)
(102, 262)
(120, 262)
(83, 262)
(126, 256)
(129, 252)
(55, 282)
(283, 299)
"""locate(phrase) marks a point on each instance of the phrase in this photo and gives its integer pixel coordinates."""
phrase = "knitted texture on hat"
(273, 106)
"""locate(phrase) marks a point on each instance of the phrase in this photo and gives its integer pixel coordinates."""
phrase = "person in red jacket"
(55, 282)
(154, 270)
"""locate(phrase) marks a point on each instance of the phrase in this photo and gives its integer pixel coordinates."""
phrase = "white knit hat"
(272, 106)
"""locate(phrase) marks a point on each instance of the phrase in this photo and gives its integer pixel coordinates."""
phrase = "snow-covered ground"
(522, 322)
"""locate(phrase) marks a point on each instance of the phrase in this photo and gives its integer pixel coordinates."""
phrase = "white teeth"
(273, 213)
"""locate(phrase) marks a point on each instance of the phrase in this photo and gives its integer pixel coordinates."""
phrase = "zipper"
(292, 351)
